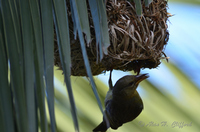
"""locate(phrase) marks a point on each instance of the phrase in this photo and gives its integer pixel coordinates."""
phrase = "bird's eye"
(131, 83)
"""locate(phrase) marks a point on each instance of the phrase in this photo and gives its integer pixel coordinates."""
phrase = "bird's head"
(127, 85)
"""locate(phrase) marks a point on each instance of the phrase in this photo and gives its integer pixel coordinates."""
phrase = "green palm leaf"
(6, 115)
(62, 31)
(48, 42)
(79, 27)
(27, 31)
(14, 48)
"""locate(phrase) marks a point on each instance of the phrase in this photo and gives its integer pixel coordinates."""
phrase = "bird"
(122, 103)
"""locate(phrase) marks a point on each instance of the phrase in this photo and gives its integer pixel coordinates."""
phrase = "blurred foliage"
(162, 111)
(186, 1)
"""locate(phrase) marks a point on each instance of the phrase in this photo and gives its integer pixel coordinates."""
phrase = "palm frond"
(62, 31)
(6, 114)
(48, 42)
(77, 21)
(14, 48)
(28, 39)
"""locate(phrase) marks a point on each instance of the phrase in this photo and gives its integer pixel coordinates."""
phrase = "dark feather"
(123, 103)
(100, 128)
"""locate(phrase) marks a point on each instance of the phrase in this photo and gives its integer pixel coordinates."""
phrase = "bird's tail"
(101, 127)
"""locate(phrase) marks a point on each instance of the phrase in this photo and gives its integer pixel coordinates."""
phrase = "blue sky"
(184, 43)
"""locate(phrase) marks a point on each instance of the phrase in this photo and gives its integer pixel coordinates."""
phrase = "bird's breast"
(122, 111)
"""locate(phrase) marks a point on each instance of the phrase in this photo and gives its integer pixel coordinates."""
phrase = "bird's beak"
(141, 77)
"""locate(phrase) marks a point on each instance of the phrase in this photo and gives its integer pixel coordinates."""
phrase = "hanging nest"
(135, 41)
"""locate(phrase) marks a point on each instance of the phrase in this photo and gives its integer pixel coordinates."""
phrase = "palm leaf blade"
(100, 24)
(84, 52)
(27, 40)
(62, 31)
(147, 2)
(16, 63)
(6, 115)
(38, 63)
(81, 9)
(48, 40)
(138, 7)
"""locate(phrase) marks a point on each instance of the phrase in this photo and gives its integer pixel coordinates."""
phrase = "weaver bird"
(122, 103)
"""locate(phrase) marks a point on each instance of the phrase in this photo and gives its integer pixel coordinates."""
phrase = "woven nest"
(135, 41)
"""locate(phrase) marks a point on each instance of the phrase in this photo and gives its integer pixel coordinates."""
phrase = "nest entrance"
(135, 42)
